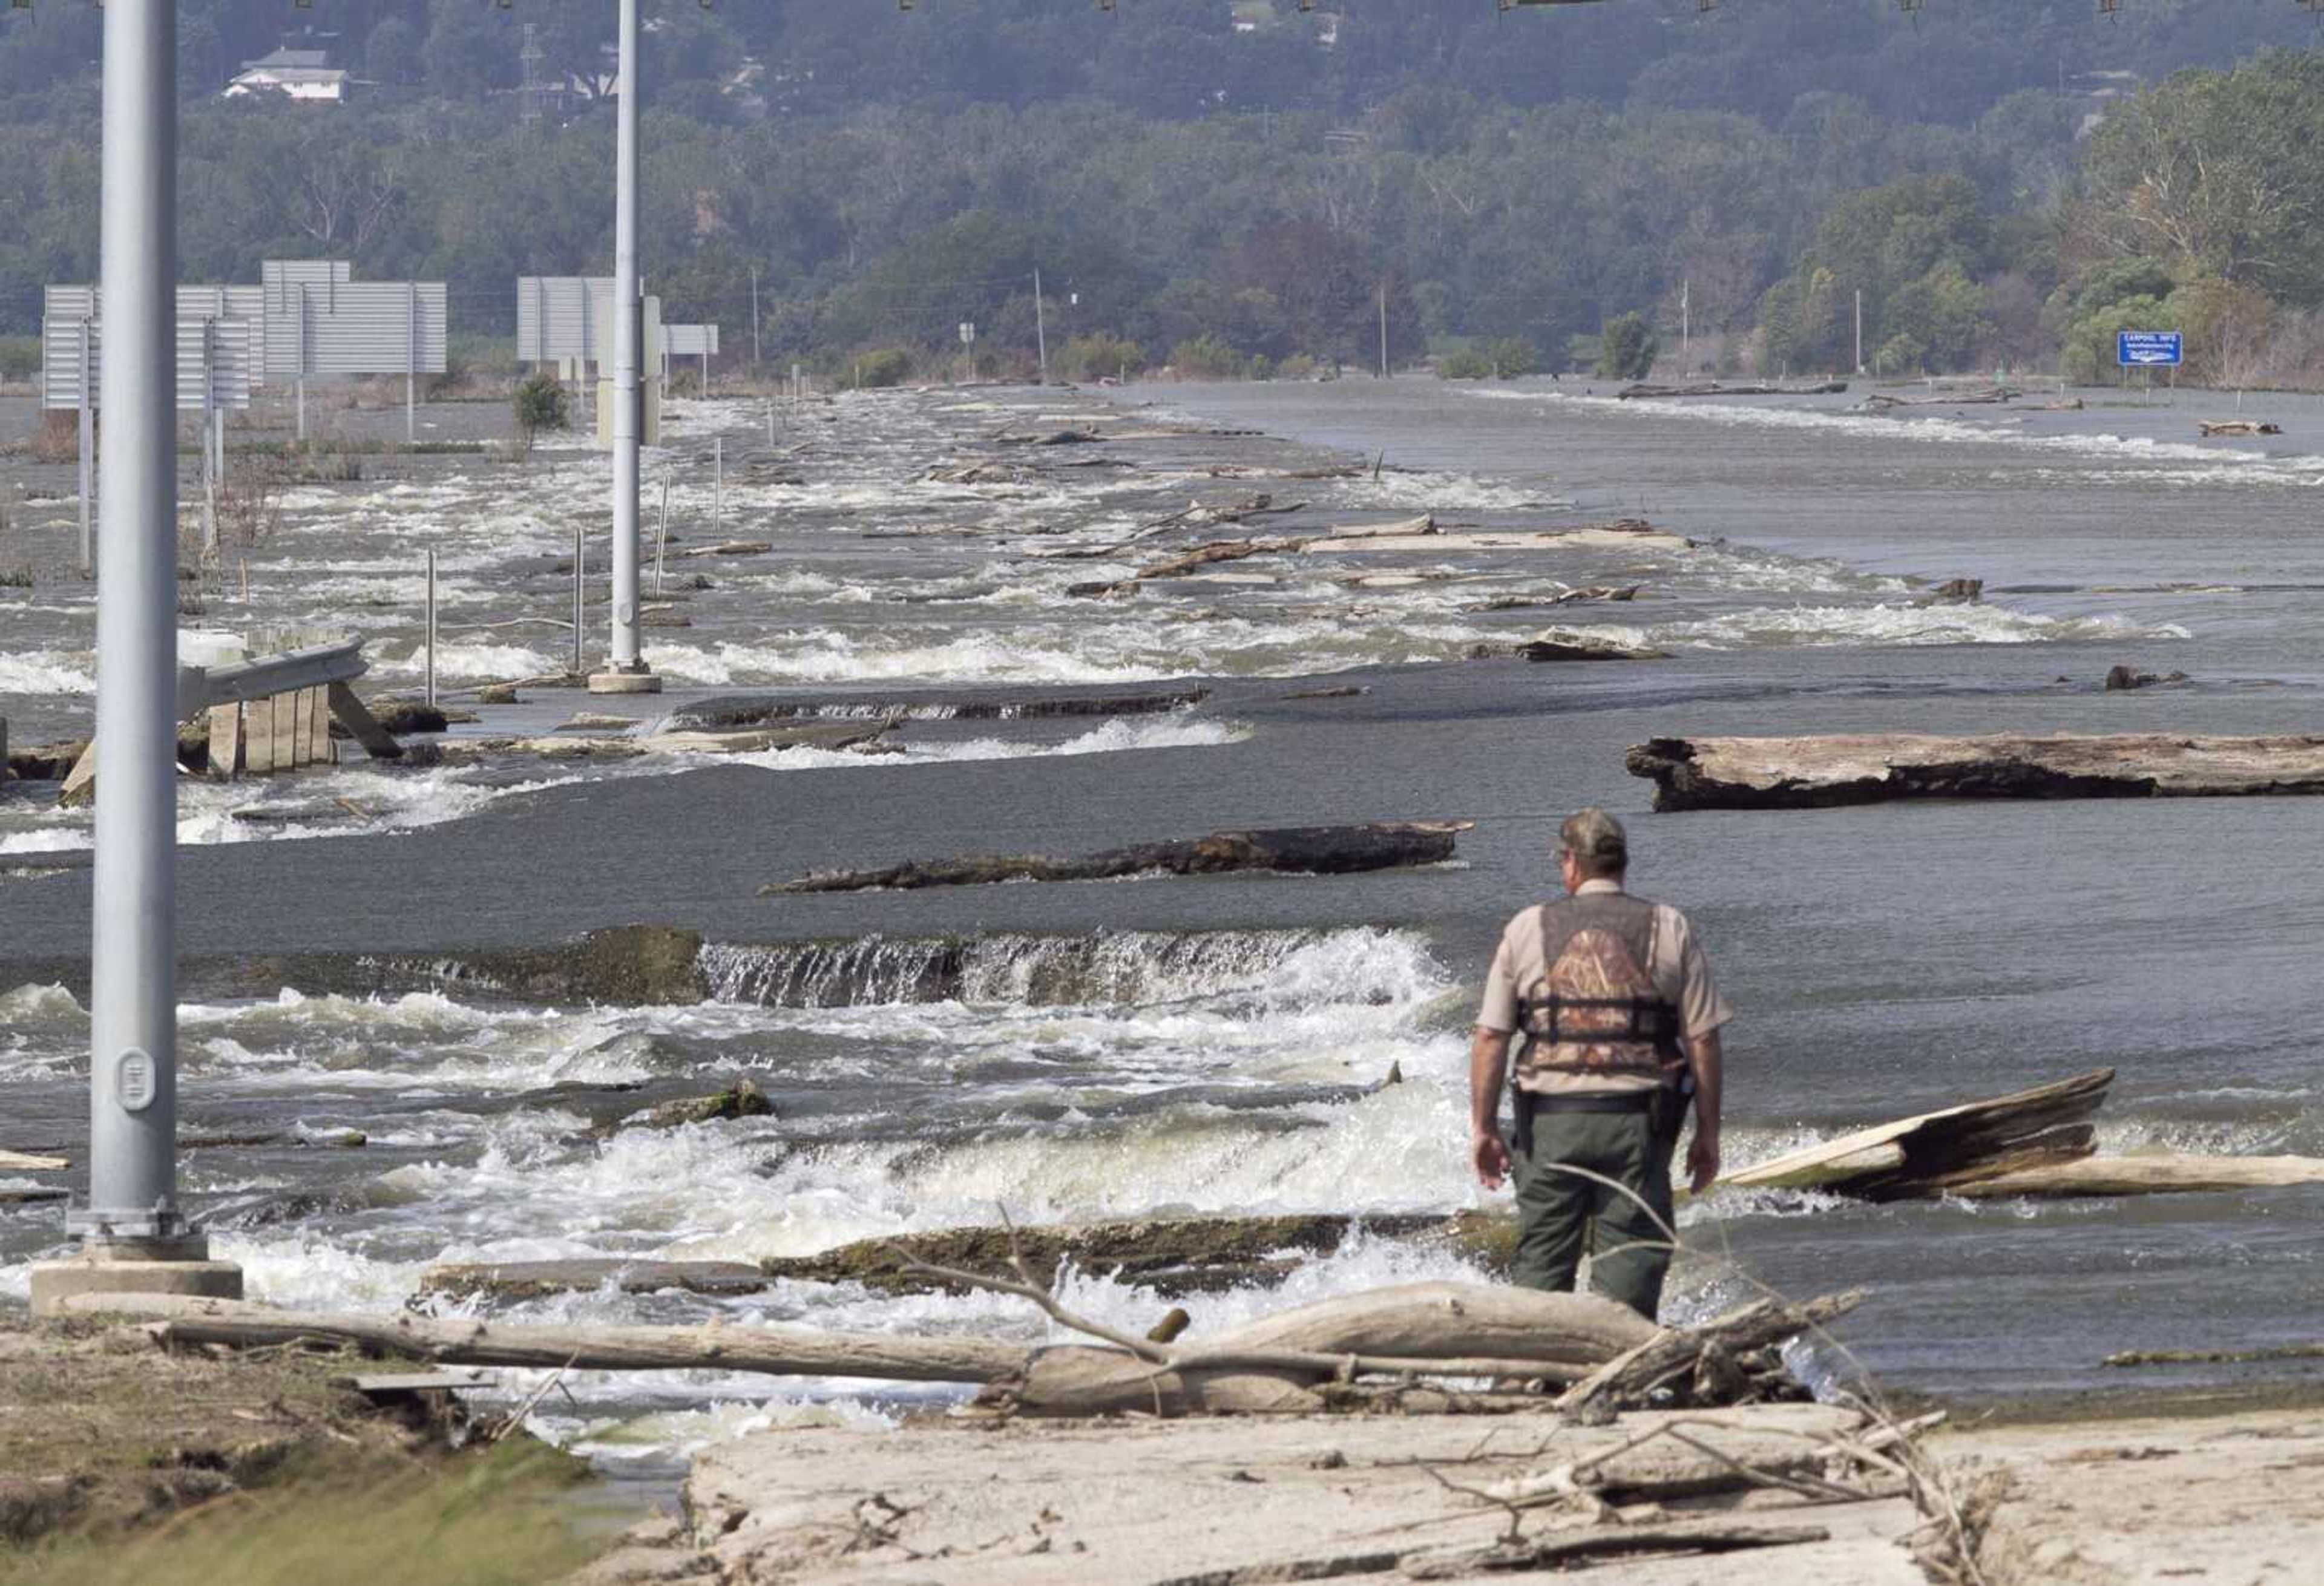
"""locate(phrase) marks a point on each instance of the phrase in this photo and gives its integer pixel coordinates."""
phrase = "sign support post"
(410, 362)
(84, 445)
(133, 1235)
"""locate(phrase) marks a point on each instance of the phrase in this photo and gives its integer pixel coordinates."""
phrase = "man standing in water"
(1620, 1022)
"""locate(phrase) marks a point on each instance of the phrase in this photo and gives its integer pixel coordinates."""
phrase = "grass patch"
(500, 1517)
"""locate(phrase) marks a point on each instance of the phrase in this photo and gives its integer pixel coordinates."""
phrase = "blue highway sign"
(2147, 348)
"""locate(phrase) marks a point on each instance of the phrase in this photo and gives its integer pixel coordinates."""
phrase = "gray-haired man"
(1620, 1021)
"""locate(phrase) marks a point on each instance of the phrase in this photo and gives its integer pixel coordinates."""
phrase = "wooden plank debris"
(261, 755)
(1940, 1152)
(393, 1385)
(355, 716)
(226, 740)
(29, 1162)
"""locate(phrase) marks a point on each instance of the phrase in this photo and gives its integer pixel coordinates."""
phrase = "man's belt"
(1598, 1101)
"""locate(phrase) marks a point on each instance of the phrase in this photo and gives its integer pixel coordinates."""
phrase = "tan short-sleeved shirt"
(1677, 967)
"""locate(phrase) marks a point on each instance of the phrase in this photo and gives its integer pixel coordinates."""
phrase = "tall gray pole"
(624, 672)
(133, 1189)
(132, 1193)
(1040, 327)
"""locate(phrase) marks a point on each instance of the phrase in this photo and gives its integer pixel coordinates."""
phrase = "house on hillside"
(304, 75)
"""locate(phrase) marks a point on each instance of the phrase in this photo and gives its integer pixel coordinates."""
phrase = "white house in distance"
(305, 75)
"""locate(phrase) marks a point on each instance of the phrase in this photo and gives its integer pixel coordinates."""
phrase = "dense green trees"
(1254, 185)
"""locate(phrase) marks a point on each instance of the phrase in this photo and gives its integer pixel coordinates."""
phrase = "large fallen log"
(1282, 850)
(1942, 1152)
(1517, 603)
(2237, 427)
(1623, 534)
(1815, 773)
(1880, 401)
(810, 734)
(2144, 1175)
(1271, 1365)
(533, 1280)
(1563, 647)
(754, 710)
(777, 1351)
(1170, 1255)
(1713, 388)
(1274, 1365)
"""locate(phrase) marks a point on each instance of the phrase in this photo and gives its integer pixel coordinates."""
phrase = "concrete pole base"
(615, 682)
(178, 1266)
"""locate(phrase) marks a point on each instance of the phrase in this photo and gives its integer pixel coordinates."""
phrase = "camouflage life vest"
(1592, 1007)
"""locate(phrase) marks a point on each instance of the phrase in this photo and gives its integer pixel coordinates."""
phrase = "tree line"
(1486, 222)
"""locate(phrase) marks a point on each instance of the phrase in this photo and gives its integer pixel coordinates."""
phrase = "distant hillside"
(1179, 59)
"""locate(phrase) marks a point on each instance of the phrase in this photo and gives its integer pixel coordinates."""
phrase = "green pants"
(1629, 1254)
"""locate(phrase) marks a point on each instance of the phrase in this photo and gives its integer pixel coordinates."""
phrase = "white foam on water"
(1442, 493)
(47, 840)
(465, 663)
(48, 671)
(1117, 734)
(303, 1271)
(27, 1002)
(680, 1434)
(2220, 464)
(1781, 627)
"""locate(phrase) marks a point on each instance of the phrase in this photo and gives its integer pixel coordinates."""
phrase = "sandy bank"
(2236, 1497)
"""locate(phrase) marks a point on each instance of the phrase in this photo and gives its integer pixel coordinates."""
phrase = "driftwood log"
(1170, 1255)
(1564, 647)
(2146, 1174)
(1179, 567)
(1621, 534)
(24, 1162)
(1815, 773)
(1282, 850)
(1880, 401)
(1517, 603)
(1712, 388)
(811, 734)
(1274, 1364)
(2237, 426)
(760, 710)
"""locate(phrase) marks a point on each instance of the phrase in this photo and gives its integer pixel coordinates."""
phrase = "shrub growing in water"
(883, 366)
(1099, 357)
(539, 404)
(1512, 357)
(1628, 351)
(1467, 364)
(1207, 357)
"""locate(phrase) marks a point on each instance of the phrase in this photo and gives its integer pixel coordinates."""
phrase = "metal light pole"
(625, 672)
(131, 1234)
